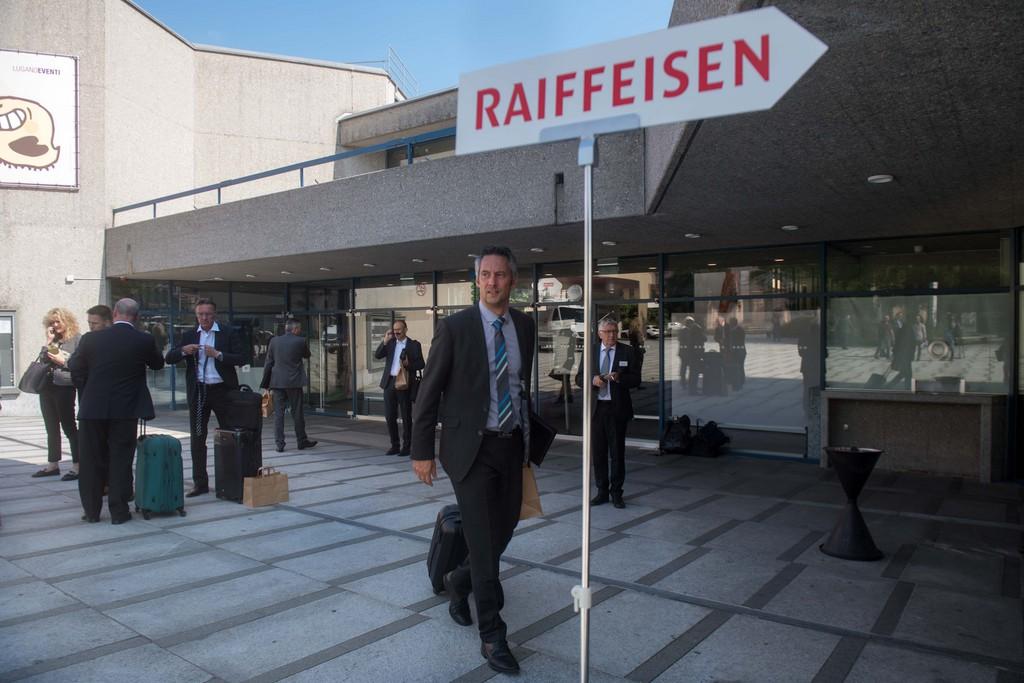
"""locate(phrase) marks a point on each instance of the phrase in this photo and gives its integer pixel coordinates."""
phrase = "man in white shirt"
(400, 352)
(210, 353)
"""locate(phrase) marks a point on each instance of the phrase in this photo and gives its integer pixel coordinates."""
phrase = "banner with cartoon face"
(38, 120)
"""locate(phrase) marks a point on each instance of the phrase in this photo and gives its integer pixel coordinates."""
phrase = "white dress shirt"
(605, 392)
(207, 372)
(396, 362)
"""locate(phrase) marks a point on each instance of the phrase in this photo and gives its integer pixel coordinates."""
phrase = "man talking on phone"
(614, 373)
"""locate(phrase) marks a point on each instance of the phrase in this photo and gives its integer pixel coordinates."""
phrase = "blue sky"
(437, 39)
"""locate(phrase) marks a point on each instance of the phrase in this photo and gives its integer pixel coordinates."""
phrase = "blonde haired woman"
(57, 398)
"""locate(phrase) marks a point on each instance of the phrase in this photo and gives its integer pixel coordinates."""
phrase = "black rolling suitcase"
(447, 547)
(714, 374)
(237, 453)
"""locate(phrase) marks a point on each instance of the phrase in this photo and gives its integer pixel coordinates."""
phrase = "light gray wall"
(48, 234)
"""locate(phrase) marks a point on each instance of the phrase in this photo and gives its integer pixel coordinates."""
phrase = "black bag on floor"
(237, 453)
(677, 438)
(447, 547)
(876, 381)
(713, 374)
(709, 441)
(242, 409)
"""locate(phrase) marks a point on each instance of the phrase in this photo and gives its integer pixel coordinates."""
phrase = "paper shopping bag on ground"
(267, 488)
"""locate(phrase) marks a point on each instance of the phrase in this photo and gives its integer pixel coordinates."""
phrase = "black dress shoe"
(197, 491)
(458, 605)
(394, 450)
(618, 502)
(499, 657)
(599, 499)
(307, 444)
(122, 520)
(46, 473)
(70, 475)
(404, 452)
(91, 520)
(280, 448)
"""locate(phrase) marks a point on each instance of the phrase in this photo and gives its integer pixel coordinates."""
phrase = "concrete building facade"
(768, 219)
(157, 115)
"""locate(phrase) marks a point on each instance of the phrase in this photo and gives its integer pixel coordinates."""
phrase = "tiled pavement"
(712, 573)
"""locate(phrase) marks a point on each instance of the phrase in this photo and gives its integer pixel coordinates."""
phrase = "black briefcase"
(237, 453)
(447, 546)
(541, 436)
(242, 409)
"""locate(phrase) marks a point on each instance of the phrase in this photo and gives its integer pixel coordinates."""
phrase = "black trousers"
(108, 449)
(608, 436)
(293, 398)
(58, 407)
(394, 401)
(213, 402)
(489, 499)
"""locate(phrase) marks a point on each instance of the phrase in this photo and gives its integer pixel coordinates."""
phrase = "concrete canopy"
(930, 93)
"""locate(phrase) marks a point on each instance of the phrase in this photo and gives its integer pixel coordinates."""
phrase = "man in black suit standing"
(613, 374)
(109, 368)
(285, 375)
(400, 352)
(480, 367)
(211, 354)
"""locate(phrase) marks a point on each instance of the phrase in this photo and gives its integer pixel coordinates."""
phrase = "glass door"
(330, 363)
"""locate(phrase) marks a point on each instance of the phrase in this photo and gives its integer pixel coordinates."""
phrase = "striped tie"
(501, 378)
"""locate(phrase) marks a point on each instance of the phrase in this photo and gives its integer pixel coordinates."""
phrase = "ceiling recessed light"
(417, 260)
(652, 267)
(868, 246)
(217, 278)
(286, 272)
(462, 280)
(778, 260)
(326, 269)
(692, 235)
(471, 255)
(391, 284)
(549, 274)
(609, 243)
(250, 276)
(790, 228)
(712, 265)
(880, 179)
(537, 250)
(369, 265)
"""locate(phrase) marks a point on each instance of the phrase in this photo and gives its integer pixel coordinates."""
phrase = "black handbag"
(542, 435)
(36, 376)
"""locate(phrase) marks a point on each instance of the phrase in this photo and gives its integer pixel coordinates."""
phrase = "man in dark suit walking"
(479, 370)
(613, 374)
(400, 352)
(285, 375)
(109, 368)
(211, 354)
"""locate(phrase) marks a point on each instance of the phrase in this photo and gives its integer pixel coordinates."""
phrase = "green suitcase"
(159, 477)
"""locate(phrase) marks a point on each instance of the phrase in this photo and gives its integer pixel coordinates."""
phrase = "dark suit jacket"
(283, 368)
(413, 352)
(629, 378)
(458, 374)
(109, 367)
(226, 341)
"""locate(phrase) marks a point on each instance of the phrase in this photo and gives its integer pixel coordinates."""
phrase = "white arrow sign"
(739, 63)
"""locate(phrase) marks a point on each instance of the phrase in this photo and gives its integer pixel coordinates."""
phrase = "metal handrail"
(406, 142)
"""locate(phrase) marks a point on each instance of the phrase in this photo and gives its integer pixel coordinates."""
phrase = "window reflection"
(946, 343)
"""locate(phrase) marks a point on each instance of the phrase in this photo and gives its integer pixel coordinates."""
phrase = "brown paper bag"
(267, 488)
(531, 497)
(267, 404)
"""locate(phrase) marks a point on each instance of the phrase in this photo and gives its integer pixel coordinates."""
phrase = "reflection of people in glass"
(903, 351)
(734, 353)
(808, 347)
(949, 336)
(635, 335)
(691, 352)
(843, 330)
(564, 348)
(920, 336)
(885, 338)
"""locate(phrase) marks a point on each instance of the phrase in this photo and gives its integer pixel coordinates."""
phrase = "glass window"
(159, 381)
(413, 290)
(772, 270)
(945, 262)
(943, 343)
(370, 329)
(7, 378)
(256, 331)
(258, 297)
(151, 294)
(330, 362)
(626, 278)
(456, 288)
(186, 294)
(748, 363)
(422, 151)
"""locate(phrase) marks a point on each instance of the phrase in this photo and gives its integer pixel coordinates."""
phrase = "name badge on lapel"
(623, 363)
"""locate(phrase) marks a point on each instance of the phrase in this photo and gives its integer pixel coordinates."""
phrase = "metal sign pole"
(581, 594)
